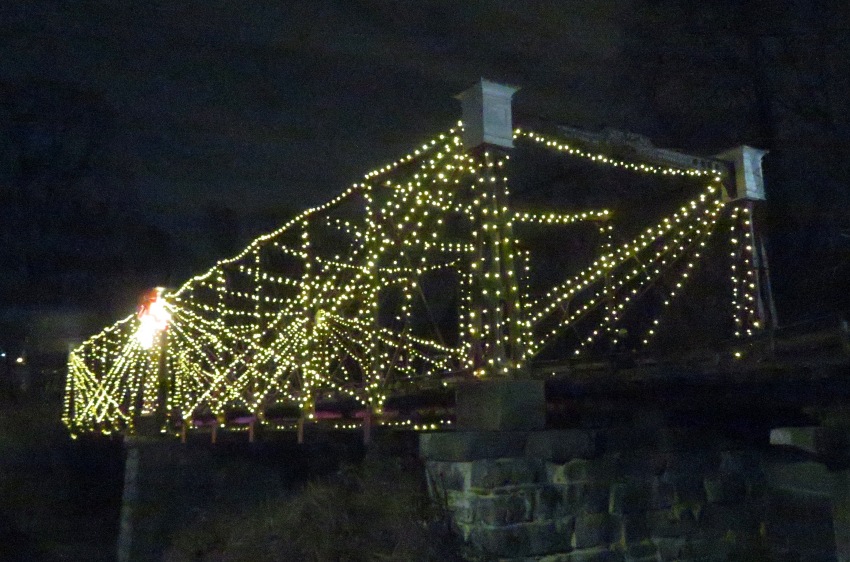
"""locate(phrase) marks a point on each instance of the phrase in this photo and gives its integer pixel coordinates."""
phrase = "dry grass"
(375, 511)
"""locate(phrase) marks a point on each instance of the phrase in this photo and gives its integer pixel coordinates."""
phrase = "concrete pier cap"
(500, 404)
(487, 117)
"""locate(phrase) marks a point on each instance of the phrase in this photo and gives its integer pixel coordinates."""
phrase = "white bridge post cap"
(749, 181)
(487, 118)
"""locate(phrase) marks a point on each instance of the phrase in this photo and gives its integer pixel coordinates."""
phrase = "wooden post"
(129, 497)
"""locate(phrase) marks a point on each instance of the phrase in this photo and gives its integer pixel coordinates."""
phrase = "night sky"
(140, 141)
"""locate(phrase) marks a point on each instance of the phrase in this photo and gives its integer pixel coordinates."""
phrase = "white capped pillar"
(487, 115)
(749, 188)
(746, 161)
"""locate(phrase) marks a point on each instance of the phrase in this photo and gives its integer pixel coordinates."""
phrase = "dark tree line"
(769, 74)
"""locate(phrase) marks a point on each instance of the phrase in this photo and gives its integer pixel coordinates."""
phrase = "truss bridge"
(489, 251)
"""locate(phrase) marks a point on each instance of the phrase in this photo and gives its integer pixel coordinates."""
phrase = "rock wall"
(616, 494)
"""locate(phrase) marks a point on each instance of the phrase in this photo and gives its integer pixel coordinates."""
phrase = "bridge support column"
(496, 329)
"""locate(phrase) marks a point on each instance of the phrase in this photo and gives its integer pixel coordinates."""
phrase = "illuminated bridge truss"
(413, 276)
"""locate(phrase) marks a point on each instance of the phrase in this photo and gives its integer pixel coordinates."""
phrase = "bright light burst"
(153, 318)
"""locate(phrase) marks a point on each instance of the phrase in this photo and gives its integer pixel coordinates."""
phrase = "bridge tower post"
(501, 397)
(497, 344)
(747, 181)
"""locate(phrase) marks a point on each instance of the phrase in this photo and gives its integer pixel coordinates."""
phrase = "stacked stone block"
(592, 495)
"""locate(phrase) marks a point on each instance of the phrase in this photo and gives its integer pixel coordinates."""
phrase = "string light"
(561, 146)
(330, 305)
(743, 274)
